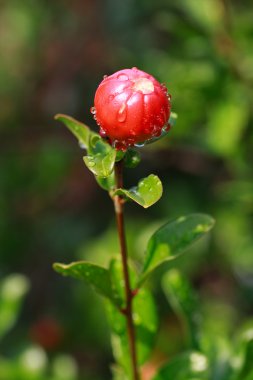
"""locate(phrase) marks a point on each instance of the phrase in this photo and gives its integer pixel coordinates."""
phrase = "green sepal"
(132, 158)
(148, 191)
(166, 129)
(94, 275)
(185, 303)
(120, 154)
(192, 365)
(172, 239)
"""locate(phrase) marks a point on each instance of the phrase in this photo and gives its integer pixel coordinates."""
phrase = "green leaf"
(12, 291)
(249, 376)
(188, 366)
(118, 373)
(185, 303)
(245, 354)
(101, 164)
(107, 183)
(95, 276)
(148, 191)
(173, 238)
(79, 130)
(101, 156)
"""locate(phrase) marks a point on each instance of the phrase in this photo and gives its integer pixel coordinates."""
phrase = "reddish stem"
(119, 211)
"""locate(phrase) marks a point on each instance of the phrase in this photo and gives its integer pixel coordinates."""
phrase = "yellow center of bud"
(143, 85)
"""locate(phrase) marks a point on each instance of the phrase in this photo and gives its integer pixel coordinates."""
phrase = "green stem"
(119, 211)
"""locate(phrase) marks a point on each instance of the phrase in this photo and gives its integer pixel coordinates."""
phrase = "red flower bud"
(131, 107)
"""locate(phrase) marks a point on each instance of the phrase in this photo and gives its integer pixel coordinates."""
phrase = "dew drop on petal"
(139, 144)
(105, 76)
(122, 113)
(123, 77)
(93, 110)
(102, 132)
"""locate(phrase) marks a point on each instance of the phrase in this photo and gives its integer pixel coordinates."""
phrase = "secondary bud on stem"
(131, 107)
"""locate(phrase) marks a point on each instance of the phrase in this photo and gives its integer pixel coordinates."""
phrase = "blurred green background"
(53, 56)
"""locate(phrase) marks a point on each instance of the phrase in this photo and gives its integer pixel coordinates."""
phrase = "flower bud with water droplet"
(131, 107)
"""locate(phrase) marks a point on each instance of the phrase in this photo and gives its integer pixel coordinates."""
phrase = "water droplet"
(166, 128)
(102, 132)
(105, 76)
(169, 96)
(123, 77)
(93, 110)
(139, 144)
(122, 113)
(134, 68)
(82, 145)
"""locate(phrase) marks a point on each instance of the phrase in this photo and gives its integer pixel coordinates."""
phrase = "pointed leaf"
(188, 366)
(94, 275)
(173, 238)
(185, 304)
(148, 191)
(101, 164)
(107, 183)
(101, 156)
(79, 130)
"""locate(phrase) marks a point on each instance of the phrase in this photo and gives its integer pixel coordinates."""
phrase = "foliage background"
(53, 55)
